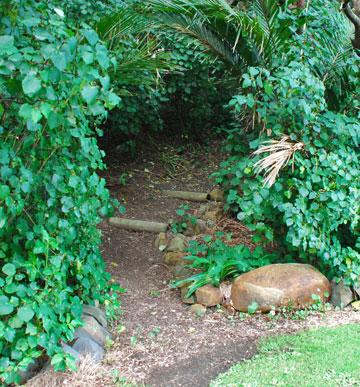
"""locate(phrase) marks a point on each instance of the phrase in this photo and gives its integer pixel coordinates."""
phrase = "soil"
(157, 341)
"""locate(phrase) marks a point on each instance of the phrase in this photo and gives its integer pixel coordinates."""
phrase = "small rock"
(71, 351)
(161, 241)
(357, 288)
(184, 298)
(86, 346)
(199, 227)
(213, 215)
(356, 305)
(192, 229)
(210, 224)
(97, 313)
(198, 309)
(181, 272)
(98, 333)
(178, 243)
(173, 258)
(217, 195)
(279, 285)
(341, 295)
(208, 295)
(31, 370)
(202, 209)
(203, 226)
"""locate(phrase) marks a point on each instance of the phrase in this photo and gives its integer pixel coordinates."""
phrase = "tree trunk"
(351, 10)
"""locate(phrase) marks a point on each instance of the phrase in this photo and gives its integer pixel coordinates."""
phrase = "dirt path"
(157, 342)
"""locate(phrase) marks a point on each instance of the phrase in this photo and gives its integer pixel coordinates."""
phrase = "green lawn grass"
(322, 357)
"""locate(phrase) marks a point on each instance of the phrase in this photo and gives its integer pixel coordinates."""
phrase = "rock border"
(173, 247)
(89, 340)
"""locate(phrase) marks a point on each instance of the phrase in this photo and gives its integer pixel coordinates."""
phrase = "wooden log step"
(138, 225)
(187, 195)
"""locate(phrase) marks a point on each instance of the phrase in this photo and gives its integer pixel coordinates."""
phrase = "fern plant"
(216, 260)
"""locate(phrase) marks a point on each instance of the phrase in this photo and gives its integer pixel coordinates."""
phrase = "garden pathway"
(157, 341)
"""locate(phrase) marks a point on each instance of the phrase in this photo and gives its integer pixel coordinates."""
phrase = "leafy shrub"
(55, 89)
(300, 87)
(313, 207)
(216, 260)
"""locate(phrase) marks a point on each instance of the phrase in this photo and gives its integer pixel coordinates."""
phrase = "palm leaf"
(140, 58)
(237, 37)
(208, 39)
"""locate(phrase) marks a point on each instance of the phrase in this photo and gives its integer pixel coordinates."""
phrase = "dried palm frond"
(280, 152)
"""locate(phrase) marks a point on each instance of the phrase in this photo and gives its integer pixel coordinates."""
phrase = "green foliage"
(312, 211)
(193, 96)
(326, 356)
(239, 37)
(136, 78)
(55, 90)
(216, 260)
(89, 11)
(184, 219)
(299, 82)
(188, 99)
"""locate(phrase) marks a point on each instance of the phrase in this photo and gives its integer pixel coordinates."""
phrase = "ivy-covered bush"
(55, 89)
(312, 210)
(293, 174)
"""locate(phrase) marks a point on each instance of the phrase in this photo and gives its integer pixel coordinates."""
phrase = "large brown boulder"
(279, 285)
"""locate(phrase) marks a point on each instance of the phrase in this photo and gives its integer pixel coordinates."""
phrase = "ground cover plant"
(324, 356)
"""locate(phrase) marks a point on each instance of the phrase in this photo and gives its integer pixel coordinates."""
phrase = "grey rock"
(67, 349)
(71, 351)
(98, 333)
(30, 371)
(86, 346)
(178, 243)
(97, 313)
(357, 289)
(181, 272)
(341, 295)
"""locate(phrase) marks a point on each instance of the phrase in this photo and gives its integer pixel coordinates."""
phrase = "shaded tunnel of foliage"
(263, 70)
